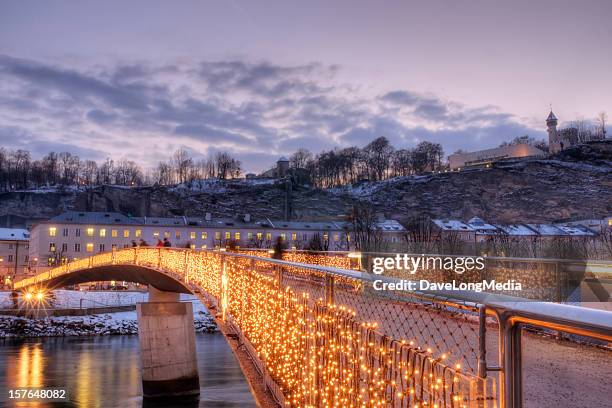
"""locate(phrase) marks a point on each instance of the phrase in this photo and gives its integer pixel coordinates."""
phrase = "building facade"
(14, 254)
(482, 157)
(74, 235)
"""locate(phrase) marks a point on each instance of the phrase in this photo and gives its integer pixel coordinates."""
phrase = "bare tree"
(227, 166)
(601, 120)
(181, 163)
(89, 171)
(300, 159)
(378, 155)
(367, 236)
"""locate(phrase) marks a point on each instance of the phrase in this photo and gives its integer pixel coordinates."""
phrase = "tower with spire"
(554, 143)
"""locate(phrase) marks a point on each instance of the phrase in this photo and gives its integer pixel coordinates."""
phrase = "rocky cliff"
(575, 184)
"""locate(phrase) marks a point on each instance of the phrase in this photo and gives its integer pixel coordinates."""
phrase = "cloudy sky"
(261, 79)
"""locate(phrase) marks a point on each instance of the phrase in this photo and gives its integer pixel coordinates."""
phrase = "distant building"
(279, 171)
(458, 161)
(477, 230)
(594, 224)
(461, 230)
(14, 254)
(74, 235)
(560, 139)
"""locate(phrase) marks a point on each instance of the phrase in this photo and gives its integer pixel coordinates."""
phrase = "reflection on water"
(105, 372)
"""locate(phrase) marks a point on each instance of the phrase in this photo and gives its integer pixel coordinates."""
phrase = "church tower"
(554, 144)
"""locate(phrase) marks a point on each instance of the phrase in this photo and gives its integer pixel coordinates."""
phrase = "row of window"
(12, 246)
(192, 235)
(90, 232)
(10, 258)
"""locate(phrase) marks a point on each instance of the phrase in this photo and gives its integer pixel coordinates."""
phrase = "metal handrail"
(511, 312)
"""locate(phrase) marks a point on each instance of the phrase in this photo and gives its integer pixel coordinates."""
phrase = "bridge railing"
(322, 335)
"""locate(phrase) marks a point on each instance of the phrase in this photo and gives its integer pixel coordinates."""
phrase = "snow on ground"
(92, 325)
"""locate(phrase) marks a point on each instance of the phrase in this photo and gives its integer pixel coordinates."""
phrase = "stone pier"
(167, 346)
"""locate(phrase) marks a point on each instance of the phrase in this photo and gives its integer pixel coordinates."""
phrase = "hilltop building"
(560, 139)
(458, 161)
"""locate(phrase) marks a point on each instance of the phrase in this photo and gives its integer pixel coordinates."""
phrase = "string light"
(320, 354)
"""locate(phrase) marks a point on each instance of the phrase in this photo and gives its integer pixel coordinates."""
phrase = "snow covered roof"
(480, 225)
(576, 230)
(14, 234)
(546, 229)
(93, 217)
(516, 229)
(452, 225)
(390, 225)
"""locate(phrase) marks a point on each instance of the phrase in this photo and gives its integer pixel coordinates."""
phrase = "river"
(104, 372)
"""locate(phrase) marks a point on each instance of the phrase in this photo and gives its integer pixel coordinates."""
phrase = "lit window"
(610, 222)
(90, 232)
(177, 234)
(114, 233)
(217, 235)
(348, 237)
(268, 236)
(325, 237)
(228, 235)
(250, 236)
(203, 246)
(192, 246)
(294, 237)
(336, 237)
(102, 232)
(166, 234)
(156, 234)
(204, 235)
(192, 235)
(259, 236)
(126, 233)
(89, 247)
(282, 236)
(138, 233)
(51, 247)
(237, 236)
(52, 231)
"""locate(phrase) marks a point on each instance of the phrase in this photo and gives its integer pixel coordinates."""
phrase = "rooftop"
(14, 234)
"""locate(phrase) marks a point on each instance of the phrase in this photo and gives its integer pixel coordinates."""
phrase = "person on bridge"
(134, 244)
(143, 243)
(167, 243)
(159, 243)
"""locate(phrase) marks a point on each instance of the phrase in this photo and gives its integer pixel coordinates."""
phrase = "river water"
(104, 372)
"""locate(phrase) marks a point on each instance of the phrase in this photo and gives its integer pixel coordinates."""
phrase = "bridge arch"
(146, 275)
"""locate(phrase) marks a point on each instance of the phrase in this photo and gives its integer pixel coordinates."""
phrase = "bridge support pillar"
(167, 346)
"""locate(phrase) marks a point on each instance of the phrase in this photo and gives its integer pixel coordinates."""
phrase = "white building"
(14, 254)
(73, 235)
(482, 157)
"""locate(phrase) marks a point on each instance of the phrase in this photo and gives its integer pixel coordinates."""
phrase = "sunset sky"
(261, 79)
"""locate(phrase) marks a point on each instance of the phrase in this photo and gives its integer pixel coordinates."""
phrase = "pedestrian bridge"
(319, 335)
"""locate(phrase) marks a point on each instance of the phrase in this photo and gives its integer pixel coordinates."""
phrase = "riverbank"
(122, 323)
